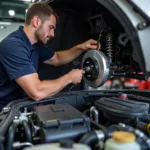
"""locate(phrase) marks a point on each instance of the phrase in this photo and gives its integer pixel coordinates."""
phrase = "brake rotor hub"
(96, 67)
(91, 69)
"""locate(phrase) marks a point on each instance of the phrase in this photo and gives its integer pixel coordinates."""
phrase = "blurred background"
(12, 15)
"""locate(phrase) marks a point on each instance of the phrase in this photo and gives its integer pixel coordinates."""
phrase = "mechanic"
(21, 50)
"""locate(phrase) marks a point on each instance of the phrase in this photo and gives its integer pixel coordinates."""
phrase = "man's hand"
(76, 75)
(90, 44)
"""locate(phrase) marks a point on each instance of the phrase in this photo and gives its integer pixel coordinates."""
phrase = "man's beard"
(39, 34)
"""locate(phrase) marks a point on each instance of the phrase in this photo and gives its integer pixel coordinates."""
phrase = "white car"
(124, 31)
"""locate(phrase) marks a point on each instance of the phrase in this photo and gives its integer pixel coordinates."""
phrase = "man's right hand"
(76, 75)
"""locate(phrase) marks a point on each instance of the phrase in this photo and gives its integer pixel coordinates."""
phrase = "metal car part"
(94, 114)
(97, 68)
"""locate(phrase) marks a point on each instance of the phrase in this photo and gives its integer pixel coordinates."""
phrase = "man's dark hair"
(42, 10)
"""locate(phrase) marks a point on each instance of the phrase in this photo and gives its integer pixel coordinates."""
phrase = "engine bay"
(83, 117)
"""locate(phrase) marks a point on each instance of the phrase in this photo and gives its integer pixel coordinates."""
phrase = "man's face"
(46, 30)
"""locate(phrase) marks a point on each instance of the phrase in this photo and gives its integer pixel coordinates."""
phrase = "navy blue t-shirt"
(18, 58)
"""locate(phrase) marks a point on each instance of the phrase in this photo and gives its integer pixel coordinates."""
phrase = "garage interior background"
(73, 28)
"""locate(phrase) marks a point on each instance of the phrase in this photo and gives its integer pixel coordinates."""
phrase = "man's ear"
(36, 21)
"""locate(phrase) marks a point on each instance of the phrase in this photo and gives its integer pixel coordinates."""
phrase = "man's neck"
(30, 34)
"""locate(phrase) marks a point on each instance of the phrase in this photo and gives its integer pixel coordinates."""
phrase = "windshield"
(13, 10)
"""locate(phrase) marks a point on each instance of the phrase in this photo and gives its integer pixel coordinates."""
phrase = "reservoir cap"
(124, 136)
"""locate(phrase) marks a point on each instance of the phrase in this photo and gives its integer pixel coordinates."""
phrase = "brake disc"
(96, 66)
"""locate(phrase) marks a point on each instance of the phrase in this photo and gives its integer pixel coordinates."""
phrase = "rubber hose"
(11, 134)
(89, 139)
(27, 131)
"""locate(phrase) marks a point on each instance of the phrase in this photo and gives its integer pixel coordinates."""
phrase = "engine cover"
(60, 121)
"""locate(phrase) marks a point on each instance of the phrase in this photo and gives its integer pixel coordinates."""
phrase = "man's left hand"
(90, 44)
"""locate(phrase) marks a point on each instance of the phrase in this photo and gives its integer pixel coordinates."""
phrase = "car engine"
(90, 119)
(84, 118)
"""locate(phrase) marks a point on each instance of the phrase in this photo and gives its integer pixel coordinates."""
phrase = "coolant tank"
(122, 140)
(57, 146)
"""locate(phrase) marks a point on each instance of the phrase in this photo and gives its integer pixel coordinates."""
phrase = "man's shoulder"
(10, 42)
(11, 39)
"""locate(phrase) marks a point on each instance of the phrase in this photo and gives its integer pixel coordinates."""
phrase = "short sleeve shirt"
(18, 58)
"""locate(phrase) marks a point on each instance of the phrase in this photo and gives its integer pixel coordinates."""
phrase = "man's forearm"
(48, 88)
(67, 56)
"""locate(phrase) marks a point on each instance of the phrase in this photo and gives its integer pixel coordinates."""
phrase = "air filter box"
(60, 121)
(118, 110)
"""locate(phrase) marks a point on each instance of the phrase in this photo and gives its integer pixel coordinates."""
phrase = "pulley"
(96, 66)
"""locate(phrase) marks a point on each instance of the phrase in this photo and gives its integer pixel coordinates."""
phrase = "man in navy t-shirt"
(21, 50)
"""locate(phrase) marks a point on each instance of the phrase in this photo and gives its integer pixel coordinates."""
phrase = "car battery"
(60, 121)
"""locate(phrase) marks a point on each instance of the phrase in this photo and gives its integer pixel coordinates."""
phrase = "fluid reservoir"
(122, 140)
(63, 145)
